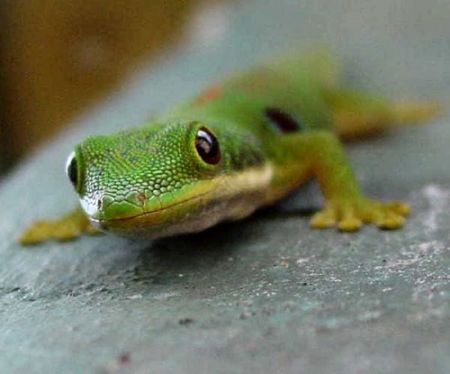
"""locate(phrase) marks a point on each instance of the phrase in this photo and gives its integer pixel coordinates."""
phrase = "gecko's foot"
(350, 215)
(407, 112)
(68, 227)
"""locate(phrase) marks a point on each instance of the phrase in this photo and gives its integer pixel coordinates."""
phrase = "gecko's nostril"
(99, 204)
(141, 198)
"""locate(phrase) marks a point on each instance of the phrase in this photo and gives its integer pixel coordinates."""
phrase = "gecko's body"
(240, 145)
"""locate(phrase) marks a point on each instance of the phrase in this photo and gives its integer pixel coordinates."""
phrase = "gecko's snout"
(105, 207)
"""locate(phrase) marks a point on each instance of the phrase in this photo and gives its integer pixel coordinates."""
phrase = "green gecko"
(242, 144)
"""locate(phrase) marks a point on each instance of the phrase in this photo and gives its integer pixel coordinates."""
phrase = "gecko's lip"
(158, 216)
(155, 211)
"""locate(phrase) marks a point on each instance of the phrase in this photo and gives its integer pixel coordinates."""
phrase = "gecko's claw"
(349, 215)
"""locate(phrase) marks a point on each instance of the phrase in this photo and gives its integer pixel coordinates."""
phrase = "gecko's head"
(163, 180)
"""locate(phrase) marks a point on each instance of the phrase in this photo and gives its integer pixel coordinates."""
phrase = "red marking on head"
(211, 93)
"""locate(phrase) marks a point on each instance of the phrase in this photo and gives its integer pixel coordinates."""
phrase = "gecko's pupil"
(72, 169)
(282, 120)
(207, 146)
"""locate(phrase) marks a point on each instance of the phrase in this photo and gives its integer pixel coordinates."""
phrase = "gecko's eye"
(207, 146)
(72, 169)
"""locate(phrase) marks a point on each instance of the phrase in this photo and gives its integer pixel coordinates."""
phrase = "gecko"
(241, 144)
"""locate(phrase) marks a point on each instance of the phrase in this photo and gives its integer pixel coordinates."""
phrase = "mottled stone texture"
(267, 294)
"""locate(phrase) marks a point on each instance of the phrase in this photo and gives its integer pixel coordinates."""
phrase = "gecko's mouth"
(155, 220)
(150, 213)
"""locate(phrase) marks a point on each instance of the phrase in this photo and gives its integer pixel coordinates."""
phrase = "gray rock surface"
(266, 294)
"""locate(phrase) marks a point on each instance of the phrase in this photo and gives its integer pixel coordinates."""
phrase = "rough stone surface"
(266, 294)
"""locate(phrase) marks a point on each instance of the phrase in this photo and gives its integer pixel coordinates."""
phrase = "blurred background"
(59, 57)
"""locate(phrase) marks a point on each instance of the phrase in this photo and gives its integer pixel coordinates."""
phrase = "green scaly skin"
(151, 181)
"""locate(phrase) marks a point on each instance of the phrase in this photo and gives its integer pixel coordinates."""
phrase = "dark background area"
(59, 57)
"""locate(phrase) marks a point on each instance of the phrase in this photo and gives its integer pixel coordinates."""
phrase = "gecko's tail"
(357, 115)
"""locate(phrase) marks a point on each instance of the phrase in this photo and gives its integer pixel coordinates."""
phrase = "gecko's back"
(239, 145)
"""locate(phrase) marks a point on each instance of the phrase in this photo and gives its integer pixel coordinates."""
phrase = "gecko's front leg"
(345, 205)
(68, 227)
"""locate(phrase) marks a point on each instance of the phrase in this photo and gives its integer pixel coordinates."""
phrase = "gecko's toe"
(350, 224)
(399, 207)
(391, 221)
(349, 219)
(323, 219)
